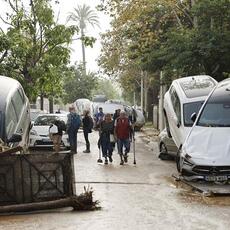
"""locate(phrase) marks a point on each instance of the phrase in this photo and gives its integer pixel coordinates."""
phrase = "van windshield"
(189, 109)
(48, 120)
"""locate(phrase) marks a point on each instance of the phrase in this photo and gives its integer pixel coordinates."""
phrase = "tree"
(78, 85)
(83, 16)
(107, 88)
(38, 48)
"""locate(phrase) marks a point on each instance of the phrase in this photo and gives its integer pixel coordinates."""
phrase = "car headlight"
(33, 132)
(187, 160)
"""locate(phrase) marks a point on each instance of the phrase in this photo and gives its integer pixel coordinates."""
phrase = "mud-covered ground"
(141, 196)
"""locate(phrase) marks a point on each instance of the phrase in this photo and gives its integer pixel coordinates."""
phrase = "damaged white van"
(184, 97)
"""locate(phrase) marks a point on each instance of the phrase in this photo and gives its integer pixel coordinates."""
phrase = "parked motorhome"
(14, 112)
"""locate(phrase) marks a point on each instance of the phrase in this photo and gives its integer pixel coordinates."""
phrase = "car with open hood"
(14, 113)
(184, 97)
(205, 154)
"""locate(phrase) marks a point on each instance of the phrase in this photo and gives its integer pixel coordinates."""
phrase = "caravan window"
(18, 103)
(11, 120)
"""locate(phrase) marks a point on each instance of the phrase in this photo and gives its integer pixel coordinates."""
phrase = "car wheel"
(163, 148)
(178, 160)
(163, 152)
(167, 125)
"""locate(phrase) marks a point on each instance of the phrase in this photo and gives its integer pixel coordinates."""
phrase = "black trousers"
(86, 136)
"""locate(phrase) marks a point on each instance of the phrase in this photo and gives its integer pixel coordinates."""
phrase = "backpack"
(75, 121)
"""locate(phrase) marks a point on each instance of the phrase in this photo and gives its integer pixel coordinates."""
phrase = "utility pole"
(142, 91)
(161, 98)
(134, 98)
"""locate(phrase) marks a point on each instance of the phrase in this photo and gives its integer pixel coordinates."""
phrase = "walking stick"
(134, 150)
(99, 159)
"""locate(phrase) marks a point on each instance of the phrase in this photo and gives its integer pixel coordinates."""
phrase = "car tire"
(167, 125)
(178, 160)
(163, 152)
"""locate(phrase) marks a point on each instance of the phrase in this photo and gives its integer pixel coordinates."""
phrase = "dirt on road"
(141, 196)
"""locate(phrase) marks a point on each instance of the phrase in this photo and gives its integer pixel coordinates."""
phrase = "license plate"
(45, 140)
(216, 178)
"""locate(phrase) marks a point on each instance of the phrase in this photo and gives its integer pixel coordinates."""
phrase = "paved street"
(132, 197)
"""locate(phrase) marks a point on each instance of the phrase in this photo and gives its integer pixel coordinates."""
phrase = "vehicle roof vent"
(227, 89)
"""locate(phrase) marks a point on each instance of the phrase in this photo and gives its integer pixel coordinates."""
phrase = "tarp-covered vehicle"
(205, 154)
(14, 113)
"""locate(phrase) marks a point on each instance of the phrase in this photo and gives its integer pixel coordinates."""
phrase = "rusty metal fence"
(36, 177)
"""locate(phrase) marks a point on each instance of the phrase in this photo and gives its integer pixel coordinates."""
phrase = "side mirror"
(15, 138)
(193, 117)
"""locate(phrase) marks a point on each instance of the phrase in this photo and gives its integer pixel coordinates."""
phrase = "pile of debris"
(4, 149)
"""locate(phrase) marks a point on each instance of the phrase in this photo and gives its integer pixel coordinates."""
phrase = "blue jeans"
(107, 148)
(73, 140)
(123, 143)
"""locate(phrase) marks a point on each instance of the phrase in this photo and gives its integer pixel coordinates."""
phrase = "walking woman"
(87, 128)
(106, 131)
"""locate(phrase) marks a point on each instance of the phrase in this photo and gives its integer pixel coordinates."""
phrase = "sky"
(64, 8)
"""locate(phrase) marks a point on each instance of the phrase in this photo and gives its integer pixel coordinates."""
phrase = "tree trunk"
(74, 201)
(42, 101)
(51, 104)
(83, 52)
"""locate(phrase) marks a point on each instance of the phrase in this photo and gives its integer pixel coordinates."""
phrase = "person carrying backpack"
(122, 129)
(87, 122)
(73, 124)
(56, 136)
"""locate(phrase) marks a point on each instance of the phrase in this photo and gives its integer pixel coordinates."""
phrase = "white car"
(39, 134)
(206, 152)
(184, 97)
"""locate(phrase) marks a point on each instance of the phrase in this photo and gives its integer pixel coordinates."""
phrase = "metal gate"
(35, 177)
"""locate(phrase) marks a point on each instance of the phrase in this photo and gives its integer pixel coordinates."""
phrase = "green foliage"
(38, 48)
(78, 85)
(107, 88)
(179, 37)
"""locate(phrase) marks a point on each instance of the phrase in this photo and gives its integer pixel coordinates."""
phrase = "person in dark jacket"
(87, 122)
(116, 114)
(106, 130)
(73, 124)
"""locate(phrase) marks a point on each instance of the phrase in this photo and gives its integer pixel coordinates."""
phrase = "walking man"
(73, 124)
(123, 128)
(87, 122)
(99, 117)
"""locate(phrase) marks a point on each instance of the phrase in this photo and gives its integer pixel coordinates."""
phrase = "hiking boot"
(125, 158)
(106, 161)
(122, 162)
(110, 159)
(86, 151)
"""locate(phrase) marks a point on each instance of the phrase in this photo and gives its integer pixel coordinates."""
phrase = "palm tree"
(83, 16)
